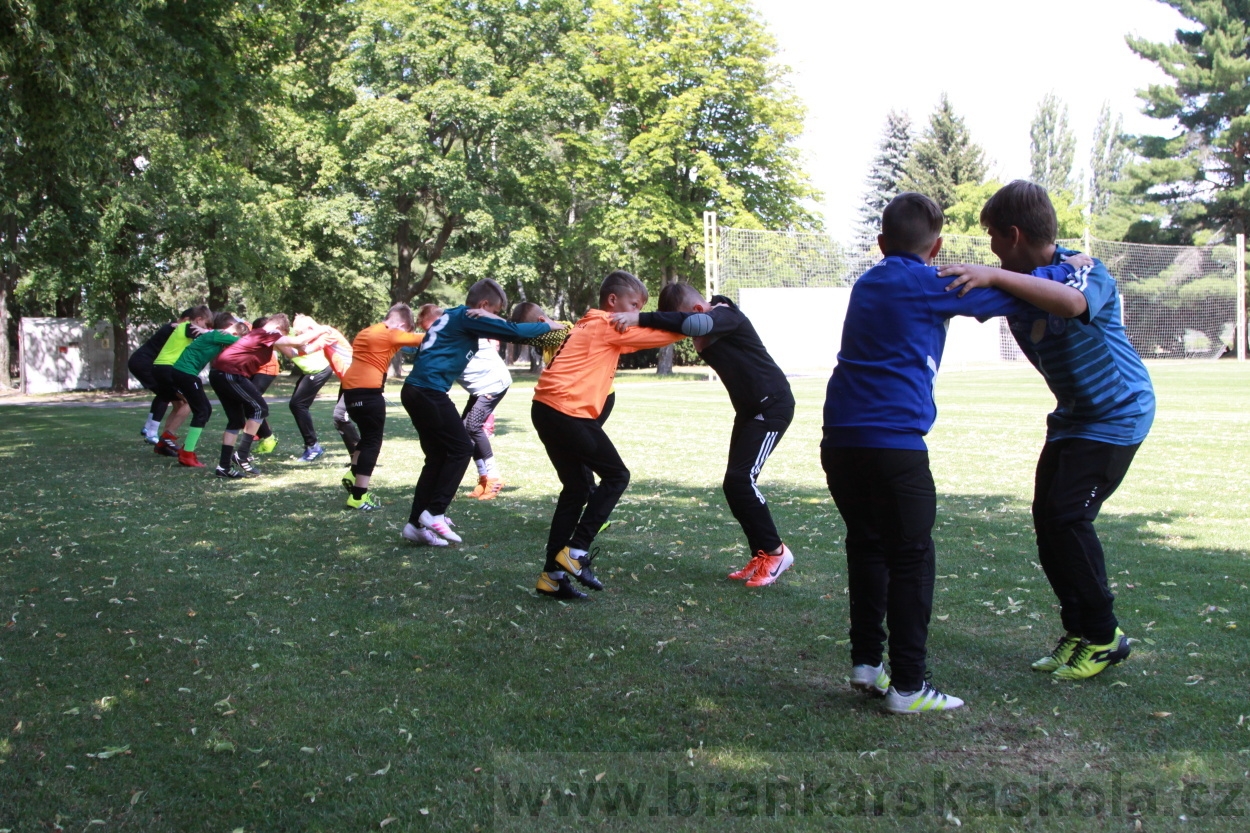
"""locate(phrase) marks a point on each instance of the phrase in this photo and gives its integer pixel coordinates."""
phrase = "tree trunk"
(401, 283)
(664, 364)
(436, 251)
(8, 281)
(218, 284)
(121, 355)
(67, 306)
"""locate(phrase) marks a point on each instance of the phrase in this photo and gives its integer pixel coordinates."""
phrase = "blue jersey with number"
(452, 340)
(881, 391)
(1102, 387)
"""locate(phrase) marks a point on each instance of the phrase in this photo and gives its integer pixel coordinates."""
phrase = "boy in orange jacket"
(568, 399)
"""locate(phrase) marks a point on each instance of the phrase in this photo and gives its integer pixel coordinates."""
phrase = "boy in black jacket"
(763, 407)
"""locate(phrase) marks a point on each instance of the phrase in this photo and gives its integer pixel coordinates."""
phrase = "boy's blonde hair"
(621, 282)
(403, 313)
(427, 311)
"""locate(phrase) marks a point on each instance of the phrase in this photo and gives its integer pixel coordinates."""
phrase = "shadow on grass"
(271, 623)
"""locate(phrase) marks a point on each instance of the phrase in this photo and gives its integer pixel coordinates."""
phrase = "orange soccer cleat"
(771, 568)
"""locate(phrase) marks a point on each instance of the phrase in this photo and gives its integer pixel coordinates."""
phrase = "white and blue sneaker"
(927, 699)
(312, 452)
(870, 679)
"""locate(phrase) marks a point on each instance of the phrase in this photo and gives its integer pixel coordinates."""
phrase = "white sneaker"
(870, 679)
(422, 536)
(927, 699)
(440, 526)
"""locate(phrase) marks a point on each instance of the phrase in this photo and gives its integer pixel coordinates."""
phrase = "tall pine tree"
(1202, 175)
(885, 176)
(1052, 147)
(1107, 159)
(944, 158)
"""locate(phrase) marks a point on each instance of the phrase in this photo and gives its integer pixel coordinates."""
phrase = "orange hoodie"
(578, 379)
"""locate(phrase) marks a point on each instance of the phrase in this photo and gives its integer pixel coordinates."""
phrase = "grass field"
(185, 654)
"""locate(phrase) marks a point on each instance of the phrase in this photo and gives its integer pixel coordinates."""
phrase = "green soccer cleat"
(365, 503)
(348, 480)
(267, 445)
(1059, 657)
(1089, 659)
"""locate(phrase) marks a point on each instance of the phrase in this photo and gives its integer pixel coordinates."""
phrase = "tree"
(453, 102)
(1107, 160)
(1200, 177)
(90, 86)
(698, 116)
(1052, 147)
(964, 217)
(885, 176)
(944, 158)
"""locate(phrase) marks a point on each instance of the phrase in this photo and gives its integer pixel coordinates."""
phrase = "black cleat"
(558, 588)
(230, 473)
(579, 568)
(248, 468)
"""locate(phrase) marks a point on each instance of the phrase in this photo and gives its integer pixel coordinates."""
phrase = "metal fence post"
(1241, 297)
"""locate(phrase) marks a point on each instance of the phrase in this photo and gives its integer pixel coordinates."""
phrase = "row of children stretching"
(1063, 309)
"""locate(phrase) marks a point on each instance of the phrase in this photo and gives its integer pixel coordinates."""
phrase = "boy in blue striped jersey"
(1105, 408)
(878, 407)
(449, 344)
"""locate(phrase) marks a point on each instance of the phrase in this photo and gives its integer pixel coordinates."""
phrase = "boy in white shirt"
(487, 379)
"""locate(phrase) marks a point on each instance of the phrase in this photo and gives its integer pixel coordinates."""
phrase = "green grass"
(267, 661)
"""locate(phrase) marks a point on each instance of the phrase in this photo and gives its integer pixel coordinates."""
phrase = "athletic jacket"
(578, 379)
(1102, 388)
(729, 344)
(881, 391)
(452, 340)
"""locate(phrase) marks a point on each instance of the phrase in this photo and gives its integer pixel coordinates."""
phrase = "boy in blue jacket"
(449, 344)
(878, 407)
(1105, 406)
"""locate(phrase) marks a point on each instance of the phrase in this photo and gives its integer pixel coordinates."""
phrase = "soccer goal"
(1178, 302)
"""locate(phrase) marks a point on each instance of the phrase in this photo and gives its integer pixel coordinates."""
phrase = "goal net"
(1178, 302)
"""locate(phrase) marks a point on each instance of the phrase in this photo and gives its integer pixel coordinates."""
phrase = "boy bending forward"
(763, 408)
(568, 400)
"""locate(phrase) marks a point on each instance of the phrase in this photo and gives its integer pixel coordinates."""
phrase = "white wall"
(60, 354)
(802, 329)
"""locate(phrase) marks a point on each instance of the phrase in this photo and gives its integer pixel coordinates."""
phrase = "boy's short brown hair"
(281, 321)
(197, 313)
(1025, 205)
(674, 296)
(621, 282)
(911, 223)
(526, 312)
(223, 320)
(486, 290)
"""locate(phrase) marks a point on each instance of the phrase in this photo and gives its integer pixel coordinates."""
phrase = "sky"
(852, 62)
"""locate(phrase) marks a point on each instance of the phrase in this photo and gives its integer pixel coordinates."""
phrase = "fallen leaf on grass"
(387, 821)
(943, 617)
(110, 751)
(384, 769)
(307, 750)
(1161, 714)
